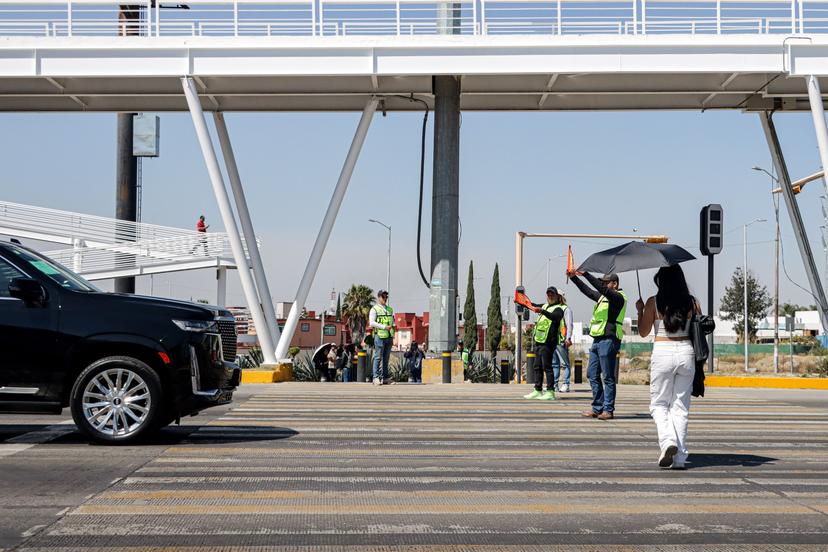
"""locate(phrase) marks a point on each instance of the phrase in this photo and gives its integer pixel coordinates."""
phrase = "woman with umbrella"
(606, 326)
(673, 364)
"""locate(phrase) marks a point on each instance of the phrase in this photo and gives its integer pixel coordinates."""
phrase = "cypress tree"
(470, 315)
(494, 316)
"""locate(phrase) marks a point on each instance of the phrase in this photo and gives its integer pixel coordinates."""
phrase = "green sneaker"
(533, 395)
(547, 396)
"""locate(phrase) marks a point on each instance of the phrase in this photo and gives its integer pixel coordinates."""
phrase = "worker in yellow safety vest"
(606, 329)
(547, 337)
(381, 320)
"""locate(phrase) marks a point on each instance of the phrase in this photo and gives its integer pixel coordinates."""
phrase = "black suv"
(126, 365)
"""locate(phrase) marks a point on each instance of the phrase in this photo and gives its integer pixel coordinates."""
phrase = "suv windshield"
(63, 276)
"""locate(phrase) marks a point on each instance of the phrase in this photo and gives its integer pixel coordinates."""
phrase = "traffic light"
(712, 233)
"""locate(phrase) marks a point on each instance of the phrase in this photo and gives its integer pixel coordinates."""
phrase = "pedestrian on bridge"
(201, 228)
(381, 320)
(673, 364)
(606, 329)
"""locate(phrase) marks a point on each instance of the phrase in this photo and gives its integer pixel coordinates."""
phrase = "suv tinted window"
(54, 271)
(7, 274)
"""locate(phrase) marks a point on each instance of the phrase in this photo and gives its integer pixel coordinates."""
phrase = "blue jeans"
(561, 356)
(602, 356)
(382, 354)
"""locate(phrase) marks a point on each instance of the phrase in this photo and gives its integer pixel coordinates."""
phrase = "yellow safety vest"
(544, 324)
(385, 316)
(600, 315)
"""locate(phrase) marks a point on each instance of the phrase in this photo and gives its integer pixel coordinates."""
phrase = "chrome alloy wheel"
(116, 402)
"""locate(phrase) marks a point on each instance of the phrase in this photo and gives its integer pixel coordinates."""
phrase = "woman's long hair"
(673, 299)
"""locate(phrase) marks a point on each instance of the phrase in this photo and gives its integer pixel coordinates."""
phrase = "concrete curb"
(269, 373)
(766, 381)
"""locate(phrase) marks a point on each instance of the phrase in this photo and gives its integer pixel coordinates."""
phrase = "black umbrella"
(636, 256)
(320, 355)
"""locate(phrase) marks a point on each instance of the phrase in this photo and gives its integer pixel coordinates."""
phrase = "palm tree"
(356, 306)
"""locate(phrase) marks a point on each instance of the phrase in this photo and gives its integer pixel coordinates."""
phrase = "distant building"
(410, 327)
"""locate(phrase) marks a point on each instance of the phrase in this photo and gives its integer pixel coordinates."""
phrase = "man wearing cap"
(606, 329)
(381, 320)
(547, 336)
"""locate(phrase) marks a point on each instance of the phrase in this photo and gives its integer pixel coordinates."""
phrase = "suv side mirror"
(29, 291)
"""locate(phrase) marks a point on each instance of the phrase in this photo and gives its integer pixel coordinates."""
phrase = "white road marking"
(38, 437)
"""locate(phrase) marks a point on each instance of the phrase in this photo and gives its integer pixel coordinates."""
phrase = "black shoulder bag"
(701, 325)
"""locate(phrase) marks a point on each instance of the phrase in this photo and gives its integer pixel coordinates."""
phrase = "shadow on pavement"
(174, 435)
(711, 460)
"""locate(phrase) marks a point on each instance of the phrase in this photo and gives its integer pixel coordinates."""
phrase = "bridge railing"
(60, 18)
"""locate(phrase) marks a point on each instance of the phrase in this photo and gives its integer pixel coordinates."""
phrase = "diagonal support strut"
(227, 216)
(795, 215)
(326, 228)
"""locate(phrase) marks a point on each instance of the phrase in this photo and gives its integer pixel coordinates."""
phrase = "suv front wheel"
(116, 400)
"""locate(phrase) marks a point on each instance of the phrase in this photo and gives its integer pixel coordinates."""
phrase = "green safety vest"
(600, 314)
(385, 316)
(465, 357)
(544, 324)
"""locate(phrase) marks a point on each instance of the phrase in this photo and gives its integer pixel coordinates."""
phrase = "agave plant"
(479, 369)
(303, 368)
(253, 359)
(398, 369)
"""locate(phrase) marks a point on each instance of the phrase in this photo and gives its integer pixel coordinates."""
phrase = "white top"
(683, 332)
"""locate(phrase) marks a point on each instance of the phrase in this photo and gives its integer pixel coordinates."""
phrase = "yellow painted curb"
(283, 372)
(258, 376)
(770, 381)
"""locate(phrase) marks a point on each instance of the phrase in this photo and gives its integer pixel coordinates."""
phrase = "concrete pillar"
(445, 201)
(126, 192)
(221, 286)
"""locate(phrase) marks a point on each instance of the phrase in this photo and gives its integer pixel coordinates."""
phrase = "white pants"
(671, 381)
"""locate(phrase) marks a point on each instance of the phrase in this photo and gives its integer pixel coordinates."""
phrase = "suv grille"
(228, 338)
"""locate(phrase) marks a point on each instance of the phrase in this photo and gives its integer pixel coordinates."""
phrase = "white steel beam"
(220, 191)
(247, 227)
(811, 271)
(326, 228)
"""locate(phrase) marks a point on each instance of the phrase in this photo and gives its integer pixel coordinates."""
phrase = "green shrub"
(293, 351)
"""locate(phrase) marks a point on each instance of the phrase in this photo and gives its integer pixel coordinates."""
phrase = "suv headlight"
(199, 326)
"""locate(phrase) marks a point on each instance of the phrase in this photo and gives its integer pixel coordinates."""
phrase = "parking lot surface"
(457, 467)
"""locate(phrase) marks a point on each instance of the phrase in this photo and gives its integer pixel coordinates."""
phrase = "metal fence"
(244, 18)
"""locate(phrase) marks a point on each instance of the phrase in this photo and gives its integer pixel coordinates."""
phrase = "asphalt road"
(461, 467)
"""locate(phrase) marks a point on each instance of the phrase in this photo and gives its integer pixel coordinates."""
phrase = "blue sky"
(543, 172)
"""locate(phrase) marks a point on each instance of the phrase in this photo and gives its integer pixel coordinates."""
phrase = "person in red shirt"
(201, 227)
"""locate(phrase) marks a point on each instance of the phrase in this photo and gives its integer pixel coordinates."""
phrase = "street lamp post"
(745, 286)
(388, 275)
(775, 195)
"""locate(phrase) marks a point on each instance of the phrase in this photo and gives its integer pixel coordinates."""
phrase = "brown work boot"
(605, 416)
(590, 414)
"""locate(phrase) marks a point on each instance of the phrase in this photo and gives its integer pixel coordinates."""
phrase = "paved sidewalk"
(462, 467)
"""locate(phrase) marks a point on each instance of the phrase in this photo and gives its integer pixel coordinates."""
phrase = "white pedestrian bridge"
(335, 54)
(762, 56)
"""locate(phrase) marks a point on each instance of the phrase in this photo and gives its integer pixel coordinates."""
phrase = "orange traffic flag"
(521, 299)
(570, 262)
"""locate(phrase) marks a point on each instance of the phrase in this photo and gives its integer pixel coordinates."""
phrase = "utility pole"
(126, 167)
(776, 291)
(745, 336)
(388, 273)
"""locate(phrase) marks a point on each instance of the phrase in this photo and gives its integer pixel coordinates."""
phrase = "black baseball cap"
(552, 289)
(382, 292)
(610, 277)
